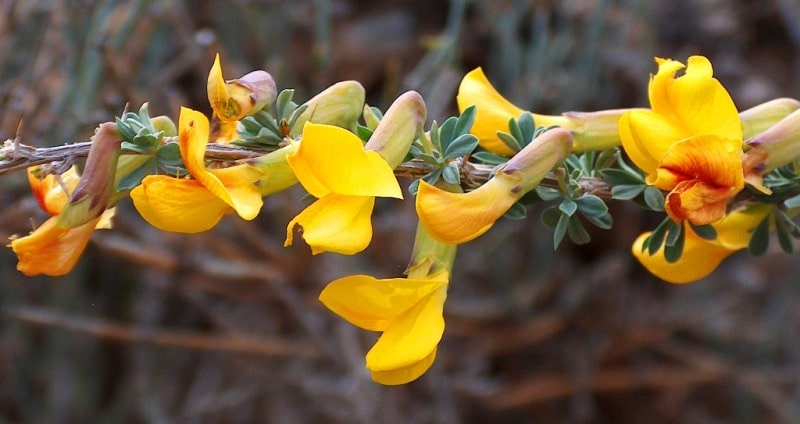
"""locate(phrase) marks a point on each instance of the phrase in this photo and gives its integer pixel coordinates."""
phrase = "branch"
(15, 156)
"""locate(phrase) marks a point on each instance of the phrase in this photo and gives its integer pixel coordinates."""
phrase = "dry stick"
(15, 156)
(180, 339)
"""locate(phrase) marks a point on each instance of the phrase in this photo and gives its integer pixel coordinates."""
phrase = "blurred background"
(225, 326)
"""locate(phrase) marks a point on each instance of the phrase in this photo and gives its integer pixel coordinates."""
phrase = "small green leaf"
(577, 233)
(591, 205)
(784, 228)
(568, 207)
(461, 146)
(363, 132)
(550, 217)
(283, 103)
(657, 236)
(560, 230)
(464, 122)
(604, 221)
(626, 191)
(547, 193)
(792, 202)
(615, 177)
(759, 241)
(707, 232)
(433, 160)
(527, 127)
(413, 188)
(516, 132)
(509, 141)
(653, 198)
(446, 132)
(517, 211)
(674, 233)
(450, 173)
(674, 251)
(488, 158)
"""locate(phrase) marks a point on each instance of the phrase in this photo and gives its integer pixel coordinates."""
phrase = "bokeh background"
(225, 326)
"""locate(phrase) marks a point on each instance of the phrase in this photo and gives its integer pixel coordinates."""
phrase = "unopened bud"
(234, 99)
(594, 130)
(533, 162)
(164, 123)
(399, 128)
(777, 146)
(93, 193)
(759, 118)
(339, 105)
(276, 174)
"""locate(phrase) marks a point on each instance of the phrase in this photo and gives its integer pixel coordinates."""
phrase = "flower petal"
(412, 337)
(460, 217)
(178, 205)
(735, 230)
(406, 374)
(335, 223)
(493, 111)
(646, 137)
(374, 304)
(49, 192)
(698, 260)
(333, 160)
(50, 249)
(245, 197)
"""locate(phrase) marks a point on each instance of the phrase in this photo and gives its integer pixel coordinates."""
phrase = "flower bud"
(93, 193)
(759, 118)
(777, 146)
(339, 105)
(399, 128)
(370, 118)
(594, 130)
(164, 123)
(276, 174)
(460, 217)
(234, 99)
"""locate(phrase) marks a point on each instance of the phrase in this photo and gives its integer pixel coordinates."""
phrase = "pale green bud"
(339, 105)
(400, 126)
(759, 118)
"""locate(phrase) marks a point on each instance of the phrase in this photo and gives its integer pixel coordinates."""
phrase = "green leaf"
(461, 146)
(792, 202)
(135, 177)
(674, 233)
(488, 158)
(464, 122)
(604, 221)
(433, 176)
(435, 137)
(433, 160)
(516, 132)
(568, 207)
(446, 133)
(363, 132)
(619, 177)
(527, 127)
(577, 233)
(547, 193)
(657, 236)
(517, 211)
(673, 252)
(591, 205)
(560, 231)
(785, 229)
(413, 188)
(283, 103)
(509, 141)
(627, 191)
(653, 198)
(759, 241)
(707, 232)
(450, 173)
(550, 217)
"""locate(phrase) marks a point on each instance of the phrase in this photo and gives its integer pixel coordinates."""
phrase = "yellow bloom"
(52, 249)
(493, 111)
(407, 310)
(690, 143)
(233, 100)
(460, 217)
(333, 166)
(590, 130)
(700, 256)
(195, 205)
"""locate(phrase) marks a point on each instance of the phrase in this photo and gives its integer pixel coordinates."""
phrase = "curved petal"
(404, 374)
(49, 192)
(178, 205)
(460, 217)
(218, 92)
(698, 202)
(374, 304)
(245, 197)
(335, 223)
(698, 260)
(646, 138)
(492, 113)
(237, 190)
(333, 160)
(50, 249)
(734, 231)
(412, 337)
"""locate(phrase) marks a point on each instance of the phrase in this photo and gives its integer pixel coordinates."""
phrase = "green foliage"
(446, 146)
(262, 130)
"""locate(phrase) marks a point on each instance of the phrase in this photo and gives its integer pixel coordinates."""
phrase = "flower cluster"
(717, 175)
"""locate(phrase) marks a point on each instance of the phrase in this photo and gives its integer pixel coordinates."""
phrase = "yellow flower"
(407, 310)
(52, 249)
(590, 130)
(197, 204)
(460, 217)
(493, 111)
(700, 256)
(233, 100)
(690, 143)
(333, 166)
